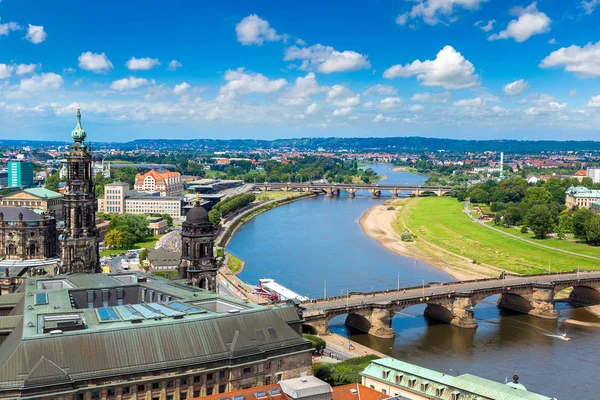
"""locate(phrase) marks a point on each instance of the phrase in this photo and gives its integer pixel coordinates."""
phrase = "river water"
(316, 245)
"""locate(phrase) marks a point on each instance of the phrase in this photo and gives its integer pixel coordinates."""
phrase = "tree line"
(229, 206)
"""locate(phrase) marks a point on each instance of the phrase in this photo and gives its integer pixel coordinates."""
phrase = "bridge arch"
(583, 294)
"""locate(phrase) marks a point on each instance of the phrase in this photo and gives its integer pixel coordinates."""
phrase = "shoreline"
(376, 223)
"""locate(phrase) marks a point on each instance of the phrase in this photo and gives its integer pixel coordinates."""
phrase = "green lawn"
(276, 195)
(150, 242)
(234, 263)
(440, 221)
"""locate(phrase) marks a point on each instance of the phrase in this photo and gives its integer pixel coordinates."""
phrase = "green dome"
(78, 133)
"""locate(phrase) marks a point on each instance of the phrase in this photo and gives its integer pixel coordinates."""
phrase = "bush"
(318, 344)
(406, 237)
(347, 371)
(229, 206)
(524, 229)
(391, 208)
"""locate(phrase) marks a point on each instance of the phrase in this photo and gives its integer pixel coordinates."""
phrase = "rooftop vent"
(261, 394)
(353, 391)
(62, 322)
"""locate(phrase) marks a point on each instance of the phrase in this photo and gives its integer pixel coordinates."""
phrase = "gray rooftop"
(11, 213)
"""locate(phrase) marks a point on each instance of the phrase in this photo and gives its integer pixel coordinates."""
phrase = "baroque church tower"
(79, 240)
(198, 264)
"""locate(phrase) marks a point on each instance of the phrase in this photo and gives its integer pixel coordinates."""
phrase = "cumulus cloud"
(417, 108)
(552, 41)
(386, 103)
(427, 97)
(499, 110)
(35, 34)
(382, 118)
(583, 61)
(326, 59)
(594, 101)
(341, 96)
(129, 83)
(8, 27)
(173, 65)
(476, 102)
(529, 22)
(379, 89)
(449, 70)
(240, 82)
(98, 63)
(6, 71)
(433, 12)
(25, 69)
(141, 64)
(41, 83)
(589, 5)
(180, 89)
(342, 111)
(312, 109)
(486, 27)
(255, 30)
(551, 107)
(515, 88)
(302, 91)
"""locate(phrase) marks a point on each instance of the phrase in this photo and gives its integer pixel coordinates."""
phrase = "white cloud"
(342, 111)
(173, 65)
(94, 62)
(572, 92)
(6, 71)
(180, 89)
(552, 41)
(551, 107)
(476, 102)
(431, 10)
(427, 97)
(529, 22)
(326, 59)
(522, 101)
(26, 69)
(129, 83)
(302, 91)
(589, 5)
(240, 82)
(417, 108)
(449, 70)
(486, 27)
(594, 101)
(386, 104)
(35, 34)
(6, 28)
(41, 83)
(69, 70)
(380, 90)
(499, 110)
(515, 88)
(541, 98)
(583, 61)
(341, 96)
(141, 64)
(300, 42)
(255, 30)
(382, 118)
(312, 109)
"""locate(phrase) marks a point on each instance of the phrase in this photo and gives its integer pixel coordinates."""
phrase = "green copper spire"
(78, 133)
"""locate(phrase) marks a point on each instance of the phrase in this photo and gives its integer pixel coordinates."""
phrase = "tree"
(479, 195)
(134, 228)
(580, 217)
(592, 230)
(143, 255)
(52, 182)
(540, 220)
(113, 239)
(587, 182)
(565, 225)
(537, 195)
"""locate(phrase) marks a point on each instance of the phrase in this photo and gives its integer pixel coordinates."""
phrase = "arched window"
(32, 250)
(11, 250)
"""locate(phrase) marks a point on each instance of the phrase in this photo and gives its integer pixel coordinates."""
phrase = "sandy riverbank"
(377, 224)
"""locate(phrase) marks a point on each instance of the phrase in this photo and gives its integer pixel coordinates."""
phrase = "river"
(317, 245)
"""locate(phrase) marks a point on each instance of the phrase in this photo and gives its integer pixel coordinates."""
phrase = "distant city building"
(163, 259)
(596, 207)
(3, 178)
(581, 196)
(594, 173)
(37, 198)
(124, 336)
(532, 180)
(398, 378)
(20, 172)
(158, 225)
(118, 199)
(165, 182)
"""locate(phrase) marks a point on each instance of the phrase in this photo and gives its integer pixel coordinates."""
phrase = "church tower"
(198, 264)
(79, 240)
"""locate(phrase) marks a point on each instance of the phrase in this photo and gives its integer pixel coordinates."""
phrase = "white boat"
(272, 289)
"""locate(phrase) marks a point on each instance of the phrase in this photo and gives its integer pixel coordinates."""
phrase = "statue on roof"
(78, 133)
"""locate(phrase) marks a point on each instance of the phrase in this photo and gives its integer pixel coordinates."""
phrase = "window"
(439, 392)
(169, 397)
(398, 379)
(183, 396)
(385, 374)
(221, 374)
(155, 385)
(209, 391)
(196, 380)
(79, 396)
(209, 377)
(383, 391)
(423, 387)
(169, 384)
(95, 395)
(279, 363)
(196, 393)
(455, 396)
(278, 377)
(141, 388)
(183, 381)
(126, 390)
(222, 388)
(372, 386)
(111, 392)
(247, 370)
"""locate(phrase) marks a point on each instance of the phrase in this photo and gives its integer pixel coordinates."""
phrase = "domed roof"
(197, 215)
(96, 157)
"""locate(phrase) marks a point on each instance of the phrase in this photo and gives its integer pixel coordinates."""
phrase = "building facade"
(162, 180)
(198, 262)
(26, 235)
(594, 173)
(79, 242)
(38, 198)
(118, 199)
(596, 207)
(581, 196)
(128, 337)
(20, 173)
(398, 378)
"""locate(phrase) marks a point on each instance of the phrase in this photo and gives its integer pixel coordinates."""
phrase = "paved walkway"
(480, 222)
(343, 348)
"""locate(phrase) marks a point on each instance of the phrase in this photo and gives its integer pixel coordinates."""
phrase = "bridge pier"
(376, 322)
(537, 300)
(395, 193)
(329, 191)
(375, 193)
(352, 193)
(458, 311)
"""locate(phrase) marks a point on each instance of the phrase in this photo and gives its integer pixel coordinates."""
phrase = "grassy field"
(234, 263)
(150, 242)
(276, 195)
(441, 222)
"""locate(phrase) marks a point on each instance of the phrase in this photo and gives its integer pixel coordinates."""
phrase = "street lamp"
(423, 283)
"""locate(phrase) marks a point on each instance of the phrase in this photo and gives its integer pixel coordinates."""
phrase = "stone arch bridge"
(333, 190)
(452, 302)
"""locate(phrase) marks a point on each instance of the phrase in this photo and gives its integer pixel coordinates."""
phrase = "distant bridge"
(333, 189)
(452, 302)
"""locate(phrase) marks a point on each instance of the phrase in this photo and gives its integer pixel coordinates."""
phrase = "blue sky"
(270, 69)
